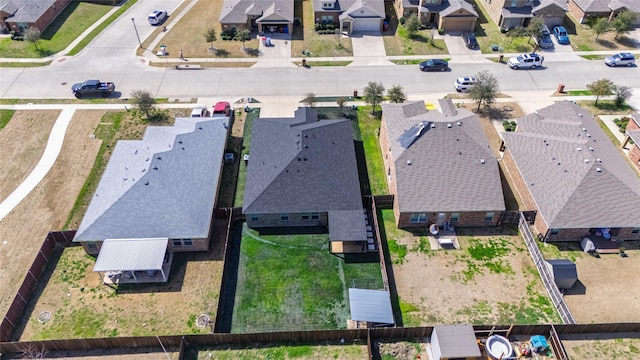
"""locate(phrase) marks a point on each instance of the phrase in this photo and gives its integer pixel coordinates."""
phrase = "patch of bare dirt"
(401, 350)
(46, 208)
(23, 141)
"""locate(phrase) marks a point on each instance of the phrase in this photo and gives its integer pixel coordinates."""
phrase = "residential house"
(263, 16)
(156, 195)
(508, 14)
(19, 15)
(302, 172)
(449, 15)
(352, 15)
(633, 135)
(439, 166)
(564, 166)
(585, 9)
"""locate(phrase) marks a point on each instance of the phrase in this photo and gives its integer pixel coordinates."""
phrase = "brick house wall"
(580, 15)
(389, 166)
(45, 19)
(294, 219)
(494, 8)
(634, 152)
(93, 248)
(331, 17)
(402, 12)
(465, 219)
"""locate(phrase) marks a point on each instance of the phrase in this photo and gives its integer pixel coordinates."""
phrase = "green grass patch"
(95, 32)
(24, 64)
(488, 33)
(355, 349)
(5, 117)
(72, 22)
(578, 92)
(246, 144)
(481, 256)
(324, 63)
(593, 57)
(370, 132)
(398, 251)
(288, 282)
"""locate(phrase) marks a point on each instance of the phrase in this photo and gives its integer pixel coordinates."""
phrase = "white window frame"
(418, 218)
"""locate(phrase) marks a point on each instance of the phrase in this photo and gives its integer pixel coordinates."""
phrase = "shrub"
(441, 31)
(402, 20)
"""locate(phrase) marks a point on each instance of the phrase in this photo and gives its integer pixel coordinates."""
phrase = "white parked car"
(157, 17)
(200, 111)
(620, 59)
(526, 61)
(463, 84)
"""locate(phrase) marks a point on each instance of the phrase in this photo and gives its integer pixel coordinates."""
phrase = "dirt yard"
(491, 279)
(46, 208)
(602, 346)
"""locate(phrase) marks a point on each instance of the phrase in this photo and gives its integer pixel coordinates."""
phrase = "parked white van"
(157, 17)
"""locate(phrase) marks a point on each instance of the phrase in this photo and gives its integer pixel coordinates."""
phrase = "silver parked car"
(620, 59)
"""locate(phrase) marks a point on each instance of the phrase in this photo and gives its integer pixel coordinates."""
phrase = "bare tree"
(341, 101)
(623, 93)
(33, 35)
(310, 99)
(210, 37)
(485, 90)
(144, 101)
(32, 352)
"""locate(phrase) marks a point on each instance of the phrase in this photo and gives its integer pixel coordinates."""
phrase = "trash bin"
(500, 58)
(304, 62)
(560, 88)
(355, 94)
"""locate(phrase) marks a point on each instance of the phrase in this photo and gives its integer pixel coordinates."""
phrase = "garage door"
(363, 24)
(457, 24)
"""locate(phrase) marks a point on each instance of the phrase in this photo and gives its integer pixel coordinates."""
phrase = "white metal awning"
(371, 306)
(131, 254)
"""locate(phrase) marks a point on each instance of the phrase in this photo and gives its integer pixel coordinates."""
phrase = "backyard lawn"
(398, 42)
(74, 20)
(292, 282)
(305, 37)
(352, 350)
(370, 133)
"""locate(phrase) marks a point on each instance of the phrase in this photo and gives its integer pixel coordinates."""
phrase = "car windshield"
(617, 56)
(562, 33)
(520, 58)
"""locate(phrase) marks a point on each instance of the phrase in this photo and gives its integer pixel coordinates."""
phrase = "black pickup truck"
(93, 88)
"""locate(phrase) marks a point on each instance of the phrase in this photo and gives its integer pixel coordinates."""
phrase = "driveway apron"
(276, 55)
(368, 49)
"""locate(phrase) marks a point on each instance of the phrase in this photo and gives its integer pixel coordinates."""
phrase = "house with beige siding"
(508, 14)
(449, 15)
(439, 166)
(303, 173)
(263, 16)
(156, 197)
(564, 166)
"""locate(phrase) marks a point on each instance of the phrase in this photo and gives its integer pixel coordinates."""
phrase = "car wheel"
(534, 66)
(516, 67)
(629, 64)
(105, 95)
(464, 90)
(445, 69)
(78, 95)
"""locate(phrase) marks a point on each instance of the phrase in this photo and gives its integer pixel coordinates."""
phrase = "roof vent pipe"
(408, 162)
(481, 161)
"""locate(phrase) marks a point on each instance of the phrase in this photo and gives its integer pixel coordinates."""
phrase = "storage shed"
(564, 272)
(454, 342)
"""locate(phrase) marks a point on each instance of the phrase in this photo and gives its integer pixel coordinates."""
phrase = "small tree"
(623, 23)
(412, 24)
(33, 35)
(534, 30)
(373, 95)
(144, 101)
(516, 32)
(396, 94)
(211, 36)
(600, 27)
(243, 35)
(602, 87)
(341, 101)
(310, 99)
(485, 90)
(623, 93)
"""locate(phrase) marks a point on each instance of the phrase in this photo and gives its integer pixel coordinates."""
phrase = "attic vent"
(481, 161)
(579, 149)
(146, 183)
(433, 125)
(147, 159)
(599, 160)
(408, 162)
(459, 123)
(584, 129)
(159, 158)
(588, 135)
(136, 152)
(590, 148)
(143, 170)
(599, 169)
(299, 159)
(586, 161)
(199, 127)
(449, 126)
(155, 168)
(179, 141)
(580, 115)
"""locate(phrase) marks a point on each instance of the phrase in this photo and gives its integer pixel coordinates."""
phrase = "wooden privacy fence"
(547, 279)
(20, 301)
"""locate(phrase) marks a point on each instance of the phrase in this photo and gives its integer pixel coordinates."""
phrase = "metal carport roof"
(131, 254)
(370, 306)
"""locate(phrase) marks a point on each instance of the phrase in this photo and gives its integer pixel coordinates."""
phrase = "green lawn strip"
(488, 33)
(24, 64)
(370, 132)
(92, 35)
(324, 63)
(392, 234)
(355, 349)
(5, 117)
(578, 92)
(288, 282)
(593, 57)
(73, 20)
(246, 144)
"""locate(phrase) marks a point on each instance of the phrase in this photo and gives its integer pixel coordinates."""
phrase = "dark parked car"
(434, 65)
(470, 40)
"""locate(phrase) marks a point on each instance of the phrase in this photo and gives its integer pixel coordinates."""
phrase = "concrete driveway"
(459, 52)
(368, 49)
(276, 55)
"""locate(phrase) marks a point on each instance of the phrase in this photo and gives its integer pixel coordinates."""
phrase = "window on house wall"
(305, 216)
(454, 217)
(255, 217)
(417, 218)
(176, 242)
(23, 26)
(187, 242)
(284, 217)
(315, 216)
(514, 3)
(431, 1)
(92, 245)
(488, 217)
(554, 232)
(327, 19)
(635, 231)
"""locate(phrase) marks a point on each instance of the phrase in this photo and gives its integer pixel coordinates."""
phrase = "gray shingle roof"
(164, 185)
(631, 5)
(593, 5)
(348, 7)
(27, 11)
(547, 3)
(635, 136)
(347, 225)
(237, 11)
(565, 182)
(446, 173)
(455, 5)
(302, 165)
